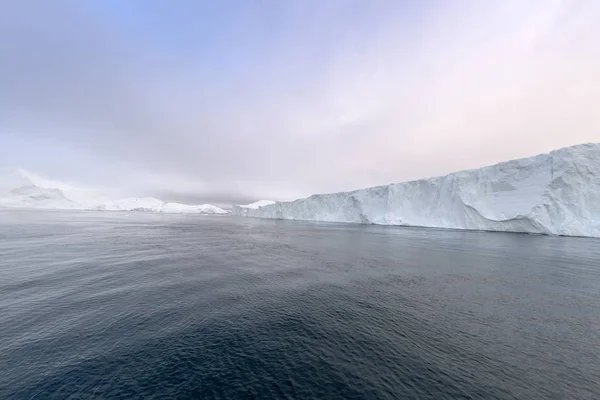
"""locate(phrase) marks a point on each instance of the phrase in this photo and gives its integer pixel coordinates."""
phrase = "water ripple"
(100, 305)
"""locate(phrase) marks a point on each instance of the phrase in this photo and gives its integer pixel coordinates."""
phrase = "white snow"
(23, 189)
(556, 193)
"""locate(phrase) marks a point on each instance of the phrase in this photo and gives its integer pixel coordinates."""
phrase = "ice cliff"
(556, 193)
(22, 189)
(243, 209)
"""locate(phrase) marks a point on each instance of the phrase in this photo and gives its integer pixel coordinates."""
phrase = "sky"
(237, 100)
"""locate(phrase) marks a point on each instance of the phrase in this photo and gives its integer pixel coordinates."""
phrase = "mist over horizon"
(232, 102)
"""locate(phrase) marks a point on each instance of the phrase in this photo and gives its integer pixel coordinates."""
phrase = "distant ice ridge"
(22, 189)
(556, 193)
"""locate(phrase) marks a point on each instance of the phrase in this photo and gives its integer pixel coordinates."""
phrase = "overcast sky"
(235, 100)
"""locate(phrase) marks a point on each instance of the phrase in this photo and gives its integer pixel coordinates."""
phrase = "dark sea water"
(125, 305)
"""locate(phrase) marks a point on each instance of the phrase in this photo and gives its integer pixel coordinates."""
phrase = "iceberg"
(151, 204)
(243, 209)
(23, 189)
(556, 193)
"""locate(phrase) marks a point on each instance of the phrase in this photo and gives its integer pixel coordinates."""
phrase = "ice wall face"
(243, 209)
(556, 193)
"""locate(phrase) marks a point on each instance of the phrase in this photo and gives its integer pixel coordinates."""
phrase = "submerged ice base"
(556, 193)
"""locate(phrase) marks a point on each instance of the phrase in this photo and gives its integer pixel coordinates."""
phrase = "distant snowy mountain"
(22, 189)
(556, 193)
(30, 196)
(132, 204)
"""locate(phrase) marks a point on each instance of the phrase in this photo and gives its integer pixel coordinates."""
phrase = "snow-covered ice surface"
(23, 189)
(556, 193)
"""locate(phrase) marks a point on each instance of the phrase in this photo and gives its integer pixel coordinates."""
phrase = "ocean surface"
(132, 305)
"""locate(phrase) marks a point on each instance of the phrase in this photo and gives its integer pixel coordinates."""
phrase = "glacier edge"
(557, 193)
